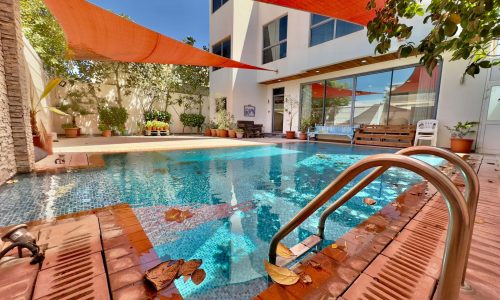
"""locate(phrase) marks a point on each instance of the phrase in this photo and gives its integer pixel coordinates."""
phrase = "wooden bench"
(250, 129)
(341, 130)
(399, 136)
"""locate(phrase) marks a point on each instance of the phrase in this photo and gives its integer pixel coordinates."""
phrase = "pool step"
(299, 250)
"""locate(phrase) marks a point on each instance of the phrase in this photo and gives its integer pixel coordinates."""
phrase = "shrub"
(162, 116)
(112, 118)
(67, 126)
(192, 120)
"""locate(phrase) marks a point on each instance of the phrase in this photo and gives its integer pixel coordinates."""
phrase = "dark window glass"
(216, 4)
(222, 48)
(345, 28)
(315, 19)
(322, 33)
(275, 36)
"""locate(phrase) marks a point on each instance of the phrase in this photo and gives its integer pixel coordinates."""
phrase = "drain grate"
(74, 248)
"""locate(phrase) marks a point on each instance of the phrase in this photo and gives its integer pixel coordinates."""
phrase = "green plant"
(67, 126)
(239, 130)
(461, 130)
(192, 120)
(468, 29)
(224, 119)
(113, 118)
(305, 124)
(157, 115)
(149, 125)
(36, 104)
(291, 105)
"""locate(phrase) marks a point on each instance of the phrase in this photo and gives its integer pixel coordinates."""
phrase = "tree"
(467, 28)
(192, 81)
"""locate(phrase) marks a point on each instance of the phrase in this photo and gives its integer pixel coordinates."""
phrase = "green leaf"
(49, 87)
(485, 64)
(57, 111)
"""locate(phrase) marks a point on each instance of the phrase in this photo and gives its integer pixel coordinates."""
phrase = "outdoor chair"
(250, 129)
(427, 131)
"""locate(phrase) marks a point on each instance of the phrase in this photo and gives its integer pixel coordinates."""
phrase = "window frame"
(279, 42)
(223, 3)
(355, 81)
(227, 38)
(334, 37)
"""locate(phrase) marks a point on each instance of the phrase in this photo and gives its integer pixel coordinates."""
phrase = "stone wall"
(16, 116)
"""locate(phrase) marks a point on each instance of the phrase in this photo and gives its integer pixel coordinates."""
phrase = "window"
(390, 97)
(216, 4)
(275, 36)
(222, 48)
(325, 29)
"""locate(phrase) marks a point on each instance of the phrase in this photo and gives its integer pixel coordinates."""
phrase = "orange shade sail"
(353, 11)
(93, 33)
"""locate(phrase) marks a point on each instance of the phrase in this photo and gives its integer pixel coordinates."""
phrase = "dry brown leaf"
(172, 215)
(198, 276)
(371, 227)
(479, 221)
(281, 275)
(188, 268)
(491, 181)
(306, 278)
(397, 204)
(163, 274)
(369, 201)
(283, 251)
(314, 264)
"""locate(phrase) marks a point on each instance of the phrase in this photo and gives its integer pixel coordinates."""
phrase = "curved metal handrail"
(450, 279)
(471, 189)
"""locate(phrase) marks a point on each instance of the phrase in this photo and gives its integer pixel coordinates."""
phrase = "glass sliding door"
(372, 98)
(312, 102)
(338, 101)
(413, 95)
(278, 109)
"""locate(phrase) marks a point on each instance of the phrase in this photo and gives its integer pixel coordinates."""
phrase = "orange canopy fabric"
(353, 11)
(93, 33)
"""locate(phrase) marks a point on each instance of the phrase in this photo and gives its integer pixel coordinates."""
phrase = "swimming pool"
(240, 197)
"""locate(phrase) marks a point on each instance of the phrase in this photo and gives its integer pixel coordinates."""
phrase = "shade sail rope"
(93, 33)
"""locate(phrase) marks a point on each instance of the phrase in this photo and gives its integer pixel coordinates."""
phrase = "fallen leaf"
(198, 276)
(369, 201)
(281, 275)
(188, 267)
(397, 204)
(172, 214)
(186, 277)
(306, 278)
(358, 236)
(11, 181)
(186, 215)
(479, 221)
(335, 246)
(283, 251)
(491, 181)
(314, 264)
(371, 227)
(163, 274)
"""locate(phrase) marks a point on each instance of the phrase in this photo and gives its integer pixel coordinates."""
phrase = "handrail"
(450, 279)
(471, 189)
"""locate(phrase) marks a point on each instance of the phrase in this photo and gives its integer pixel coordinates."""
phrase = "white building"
(330, 67)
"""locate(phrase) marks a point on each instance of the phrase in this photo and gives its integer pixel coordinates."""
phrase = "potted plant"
(105, 130)
(291, 105)
(239, 133)
(208, 127)
(459, 143)
(213, 129)
(148, 126)
(304, 127)
(70, 130)
(223, 121)
(232, 129)
(112, 118)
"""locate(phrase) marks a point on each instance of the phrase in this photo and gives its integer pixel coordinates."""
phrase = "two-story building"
(329, 67)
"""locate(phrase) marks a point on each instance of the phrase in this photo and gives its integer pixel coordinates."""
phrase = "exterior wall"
(15, 88)
(133, 104)
(457, 101)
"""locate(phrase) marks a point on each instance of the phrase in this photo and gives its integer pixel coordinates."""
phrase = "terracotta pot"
(239, 135)
(290, 135)
(223, 133)
(49, 144)
(71, 132)
(37, 141)
(461, 145)
(213, 132)
(148, 132)
(153, 128)
(106, 133)
(231, 133)
(79, 132)
(208, 132)
(302, 136)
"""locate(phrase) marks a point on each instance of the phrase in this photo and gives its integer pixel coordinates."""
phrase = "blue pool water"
(240, 197)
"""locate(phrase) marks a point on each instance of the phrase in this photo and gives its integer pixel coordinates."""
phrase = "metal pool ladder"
(461, 213)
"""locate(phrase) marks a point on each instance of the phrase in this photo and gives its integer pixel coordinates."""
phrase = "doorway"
(278, 109)
(490, 120)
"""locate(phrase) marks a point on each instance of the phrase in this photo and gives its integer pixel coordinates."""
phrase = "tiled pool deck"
(118, 250)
